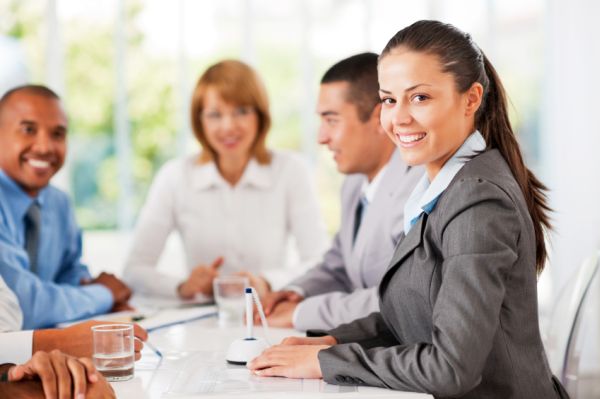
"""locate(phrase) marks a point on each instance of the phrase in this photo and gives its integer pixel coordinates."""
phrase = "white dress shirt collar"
(369, 189)
(207, 176)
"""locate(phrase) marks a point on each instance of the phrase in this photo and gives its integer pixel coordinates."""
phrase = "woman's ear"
(473, 97)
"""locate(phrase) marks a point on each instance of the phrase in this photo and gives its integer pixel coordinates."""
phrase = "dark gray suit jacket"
(458, 303)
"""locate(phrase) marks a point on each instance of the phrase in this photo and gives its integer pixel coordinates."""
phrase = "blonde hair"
(237, 83)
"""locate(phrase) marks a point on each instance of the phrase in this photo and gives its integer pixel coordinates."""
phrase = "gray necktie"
(32, 234)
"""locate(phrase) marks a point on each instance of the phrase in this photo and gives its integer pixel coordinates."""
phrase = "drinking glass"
(229, 294)
(113, 353)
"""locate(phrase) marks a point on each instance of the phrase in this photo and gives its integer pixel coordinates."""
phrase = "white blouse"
(248, 224)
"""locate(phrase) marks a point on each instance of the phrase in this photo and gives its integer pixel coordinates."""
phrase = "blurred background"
(126, 68)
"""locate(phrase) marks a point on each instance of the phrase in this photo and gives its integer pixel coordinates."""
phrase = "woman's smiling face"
(422, 111)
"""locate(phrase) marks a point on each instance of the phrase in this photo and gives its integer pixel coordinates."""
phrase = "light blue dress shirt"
(54, 295)
(425, 195)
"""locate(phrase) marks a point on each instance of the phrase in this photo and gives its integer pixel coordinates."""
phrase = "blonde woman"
(235, 204)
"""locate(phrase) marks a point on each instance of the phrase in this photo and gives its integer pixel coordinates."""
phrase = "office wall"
(570, 151)
(570, 132)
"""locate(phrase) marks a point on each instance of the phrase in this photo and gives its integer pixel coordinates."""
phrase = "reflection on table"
(193, 365)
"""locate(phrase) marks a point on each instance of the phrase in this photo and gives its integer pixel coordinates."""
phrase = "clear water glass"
(113, 353)
(229, 294)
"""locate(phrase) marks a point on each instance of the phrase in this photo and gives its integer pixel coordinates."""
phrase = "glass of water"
(230, 298)
(114, 351)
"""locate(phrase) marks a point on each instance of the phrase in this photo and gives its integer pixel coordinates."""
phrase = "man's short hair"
(38, 90)
(360, 72)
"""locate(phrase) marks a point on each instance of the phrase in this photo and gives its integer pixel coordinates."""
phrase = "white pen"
(249, 314)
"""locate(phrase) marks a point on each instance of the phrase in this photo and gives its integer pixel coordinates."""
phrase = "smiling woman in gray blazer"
(458, 303)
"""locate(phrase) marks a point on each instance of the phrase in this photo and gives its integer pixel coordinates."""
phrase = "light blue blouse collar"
(425, 195)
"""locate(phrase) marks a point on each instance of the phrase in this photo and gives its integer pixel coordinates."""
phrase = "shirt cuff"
(103, 298)
(16, 347)
(296, 315)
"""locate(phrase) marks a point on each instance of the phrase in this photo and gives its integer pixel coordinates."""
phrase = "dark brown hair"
(360, 72)
(237, 83)
(461, 57)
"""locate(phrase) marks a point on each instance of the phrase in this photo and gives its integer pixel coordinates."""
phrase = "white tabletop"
(193, 365)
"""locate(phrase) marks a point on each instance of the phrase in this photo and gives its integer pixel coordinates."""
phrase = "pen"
(137, 318)
(249, 314)
(152, 347)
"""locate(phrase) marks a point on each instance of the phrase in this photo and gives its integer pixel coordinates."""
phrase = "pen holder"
(242, 350)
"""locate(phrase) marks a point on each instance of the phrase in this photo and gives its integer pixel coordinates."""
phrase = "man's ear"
(473, 98)
(375, 119)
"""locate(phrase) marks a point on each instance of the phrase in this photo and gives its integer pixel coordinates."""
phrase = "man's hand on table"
(60, 376)
(282, 316)
(279, 308)
(76, 340)
(119, 290)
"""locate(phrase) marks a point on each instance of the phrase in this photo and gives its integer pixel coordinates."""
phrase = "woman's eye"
(243, 110)
(418, 98)
(388, 101)
(212, 115)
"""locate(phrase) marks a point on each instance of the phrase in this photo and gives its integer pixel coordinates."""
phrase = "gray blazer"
(343, 287)
(458, 302)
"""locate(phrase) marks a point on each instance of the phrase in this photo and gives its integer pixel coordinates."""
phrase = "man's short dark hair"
(360, 72)
(38, 90)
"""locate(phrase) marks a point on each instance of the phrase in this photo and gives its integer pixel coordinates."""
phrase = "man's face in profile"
(341, 129)
(33, 139)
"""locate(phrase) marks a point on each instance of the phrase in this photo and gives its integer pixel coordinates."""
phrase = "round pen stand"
(242, 350)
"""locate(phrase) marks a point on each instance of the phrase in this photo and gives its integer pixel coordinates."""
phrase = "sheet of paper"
(154, 302)
(116, 317)
(169, 317)
(151, 309)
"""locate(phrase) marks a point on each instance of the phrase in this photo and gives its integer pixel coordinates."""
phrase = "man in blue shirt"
(40, 242)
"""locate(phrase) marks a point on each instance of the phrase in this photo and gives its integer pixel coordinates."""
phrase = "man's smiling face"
(33, 139)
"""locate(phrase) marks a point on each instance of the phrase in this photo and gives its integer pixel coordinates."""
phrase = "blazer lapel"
(405, 247)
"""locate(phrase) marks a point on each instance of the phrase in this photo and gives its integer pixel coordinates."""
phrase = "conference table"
(193, 365)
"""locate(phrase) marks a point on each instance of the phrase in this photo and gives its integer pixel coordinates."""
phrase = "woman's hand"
(200, 280)
(260, 284)
(291, 361)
